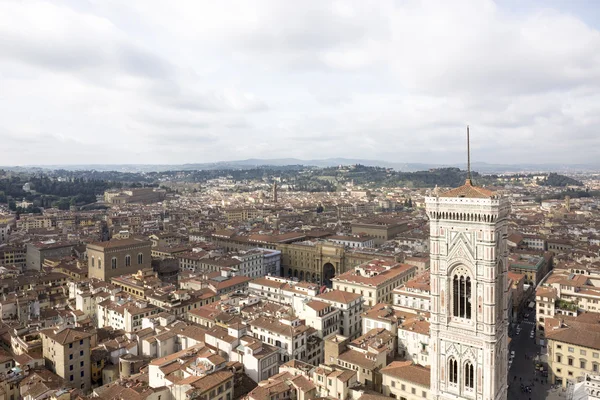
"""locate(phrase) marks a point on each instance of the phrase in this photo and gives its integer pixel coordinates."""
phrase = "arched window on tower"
(140, 258)
(452, 371)
(461, 294)
(469, 375)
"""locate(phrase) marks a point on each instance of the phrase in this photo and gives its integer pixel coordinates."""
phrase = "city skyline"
(143, 83)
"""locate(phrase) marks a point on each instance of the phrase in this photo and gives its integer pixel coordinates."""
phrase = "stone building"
(118, 257)
(67, 353)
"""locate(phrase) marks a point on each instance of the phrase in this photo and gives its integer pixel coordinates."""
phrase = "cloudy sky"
(144, 81)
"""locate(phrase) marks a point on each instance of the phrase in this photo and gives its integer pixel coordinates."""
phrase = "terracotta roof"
(68, 335)
(339, 296)
(583, 330)
(215, 379)
(317, 305)
(469, 191)
(396, 271)
(116, 243)
(408, 371)
(357, 358)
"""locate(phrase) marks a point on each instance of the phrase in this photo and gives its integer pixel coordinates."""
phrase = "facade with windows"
(118, 257)
(573, 348)
(414, 295)
(405, 380)
(374, 280)
(468, 230)
(66, 352)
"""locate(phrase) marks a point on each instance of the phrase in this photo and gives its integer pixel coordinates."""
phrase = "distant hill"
(482, 167)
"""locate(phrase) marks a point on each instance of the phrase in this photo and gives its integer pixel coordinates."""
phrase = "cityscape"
(256, 201)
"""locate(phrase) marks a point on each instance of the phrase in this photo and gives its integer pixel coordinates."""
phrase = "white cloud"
(94, 82)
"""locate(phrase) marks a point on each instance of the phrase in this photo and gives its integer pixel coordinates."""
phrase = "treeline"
(377, 176)
(574, 194)
(45, 191)
(559, 180)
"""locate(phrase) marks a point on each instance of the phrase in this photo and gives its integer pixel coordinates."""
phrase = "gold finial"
(469, 181)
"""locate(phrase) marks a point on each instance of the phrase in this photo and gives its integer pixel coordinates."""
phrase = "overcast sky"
(143, 81)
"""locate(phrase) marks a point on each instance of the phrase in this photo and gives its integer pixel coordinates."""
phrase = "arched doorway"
(295, 273)
(301, 275)
(328, 273)
(314, 278)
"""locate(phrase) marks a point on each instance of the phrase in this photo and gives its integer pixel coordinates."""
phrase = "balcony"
(565, 305)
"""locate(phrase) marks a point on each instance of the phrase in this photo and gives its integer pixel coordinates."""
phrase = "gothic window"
(128, 260)
(113, 263)
(452, 371)
(469, 375)
(140, 258)
(461, 293)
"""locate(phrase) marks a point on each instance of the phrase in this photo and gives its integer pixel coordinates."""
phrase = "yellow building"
(573, 347)
(405, 380)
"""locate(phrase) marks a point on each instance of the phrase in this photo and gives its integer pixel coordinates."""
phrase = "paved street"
(523, 367)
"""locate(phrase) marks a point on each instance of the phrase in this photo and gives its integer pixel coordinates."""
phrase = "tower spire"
(469, 181)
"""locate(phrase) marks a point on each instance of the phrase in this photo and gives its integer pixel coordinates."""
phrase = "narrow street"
(523, 367)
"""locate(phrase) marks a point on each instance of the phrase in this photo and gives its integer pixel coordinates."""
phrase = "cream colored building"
(405, 380)
(414, 295)
(66, 352)
(374, 280)
(34, 222)
(573, 348)
(118, 257)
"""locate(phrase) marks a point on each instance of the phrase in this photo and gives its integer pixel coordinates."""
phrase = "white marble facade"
(468, 294)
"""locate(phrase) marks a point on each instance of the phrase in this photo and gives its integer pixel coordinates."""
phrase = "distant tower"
(468, 229)
(568, 203)
(274, 192)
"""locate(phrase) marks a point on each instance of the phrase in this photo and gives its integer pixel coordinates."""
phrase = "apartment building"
(195, 372)
(533, 266)
(422, 263)
(333, 382)
(381, 229)
(358, 241)
(119, 312)
(298, 294)
(37, 252)
(322, 316)
(295, 340)
(13, 255)
(251, 263)
(366, 355)
(285, 386)
(374, 280)
(261, 361)
(350, 306)
(414, 339)
(415, 294)
(573, 348)
(29, 222)
(405, 380)
(66, 352)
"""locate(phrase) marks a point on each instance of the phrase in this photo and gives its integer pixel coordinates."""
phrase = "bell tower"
(468, 229)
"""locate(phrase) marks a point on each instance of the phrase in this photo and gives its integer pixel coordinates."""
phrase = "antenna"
(469, 182)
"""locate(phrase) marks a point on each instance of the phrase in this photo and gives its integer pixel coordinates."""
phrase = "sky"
(171, 82)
